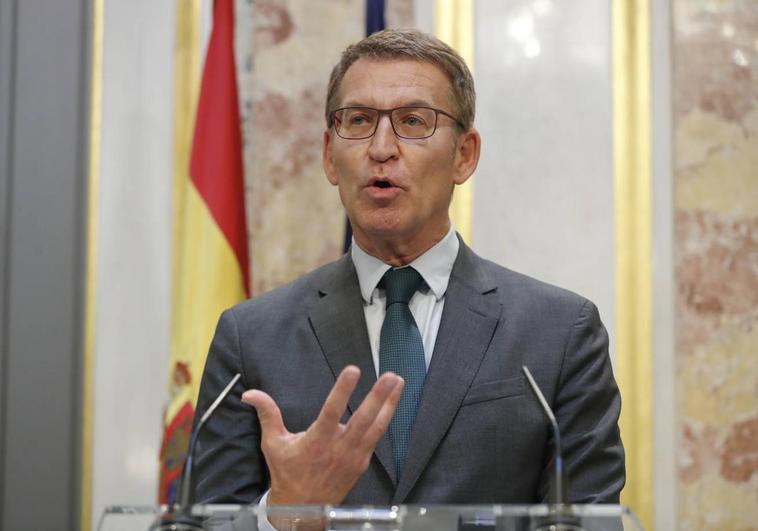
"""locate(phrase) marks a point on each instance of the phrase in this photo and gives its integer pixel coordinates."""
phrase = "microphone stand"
(561, 517)
(179, 516)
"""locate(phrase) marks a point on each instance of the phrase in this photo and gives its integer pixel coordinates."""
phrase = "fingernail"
(352, 373)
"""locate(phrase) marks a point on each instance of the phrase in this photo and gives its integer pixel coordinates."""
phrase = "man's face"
(398, 190)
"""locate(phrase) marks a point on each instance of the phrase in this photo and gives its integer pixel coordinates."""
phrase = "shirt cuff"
(263, 523)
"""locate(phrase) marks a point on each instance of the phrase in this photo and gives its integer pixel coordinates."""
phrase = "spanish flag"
(211, 252)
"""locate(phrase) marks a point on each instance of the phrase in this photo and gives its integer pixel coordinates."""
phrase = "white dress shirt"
(426, 305)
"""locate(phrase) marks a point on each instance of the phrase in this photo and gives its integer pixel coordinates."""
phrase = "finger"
(383, 418)
(269, 414)
(366, 414)
(336, 403)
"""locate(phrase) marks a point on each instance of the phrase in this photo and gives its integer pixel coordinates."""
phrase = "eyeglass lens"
(408, 122)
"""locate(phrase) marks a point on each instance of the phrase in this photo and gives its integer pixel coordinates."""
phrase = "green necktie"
(401, 351)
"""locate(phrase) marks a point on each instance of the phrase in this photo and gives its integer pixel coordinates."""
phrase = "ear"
(467, 155)
(329, 170)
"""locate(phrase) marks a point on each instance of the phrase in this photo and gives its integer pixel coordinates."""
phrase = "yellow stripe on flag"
(208, 281)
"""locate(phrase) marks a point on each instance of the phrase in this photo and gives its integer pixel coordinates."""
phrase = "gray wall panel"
(7, 38)
(45, 181)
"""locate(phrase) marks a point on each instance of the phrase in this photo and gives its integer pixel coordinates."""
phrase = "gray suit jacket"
(480, 435)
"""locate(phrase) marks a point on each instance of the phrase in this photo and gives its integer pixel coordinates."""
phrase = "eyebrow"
(412, 103)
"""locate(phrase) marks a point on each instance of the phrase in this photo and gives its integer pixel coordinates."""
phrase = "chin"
(380, 223)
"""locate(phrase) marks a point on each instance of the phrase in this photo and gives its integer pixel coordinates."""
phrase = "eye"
(412, 118)
(358, 119)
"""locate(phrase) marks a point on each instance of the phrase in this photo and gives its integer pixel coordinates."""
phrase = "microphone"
(557, 496)
(179, 516)
(561, 517)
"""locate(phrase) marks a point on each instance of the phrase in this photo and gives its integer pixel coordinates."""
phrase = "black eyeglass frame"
(388, 112)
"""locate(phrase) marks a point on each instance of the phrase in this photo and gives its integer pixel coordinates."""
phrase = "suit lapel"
(339, 323)
(468, 323)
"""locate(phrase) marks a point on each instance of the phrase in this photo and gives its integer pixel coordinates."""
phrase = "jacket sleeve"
(587, 405)
(229, 465)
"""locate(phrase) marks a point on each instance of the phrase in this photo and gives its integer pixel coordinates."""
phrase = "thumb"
(268, 412)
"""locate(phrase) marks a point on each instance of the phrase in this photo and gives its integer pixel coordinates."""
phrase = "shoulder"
(293, 298)
(521, 292)
(521, 285)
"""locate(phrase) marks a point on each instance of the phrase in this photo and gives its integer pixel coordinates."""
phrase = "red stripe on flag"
(216, 164)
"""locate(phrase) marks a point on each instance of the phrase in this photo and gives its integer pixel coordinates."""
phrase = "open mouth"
(383, 188)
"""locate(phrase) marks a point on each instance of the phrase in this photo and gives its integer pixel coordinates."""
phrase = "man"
(461, 425)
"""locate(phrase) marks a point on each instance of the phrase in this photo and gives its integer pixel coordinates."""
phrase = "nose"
(383, 146)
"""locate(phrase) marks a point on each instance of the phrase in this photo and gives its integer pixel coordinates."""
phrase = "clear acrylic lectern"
(402, 518)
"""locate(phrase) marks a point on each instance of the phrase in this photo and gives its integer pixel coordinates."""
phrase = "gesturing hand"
(321, 464)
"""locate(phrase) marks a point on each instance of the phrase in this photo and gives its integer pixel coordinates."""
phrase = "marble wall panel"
(132, 308)
(296, 219)
(715, 100)
(543, 190)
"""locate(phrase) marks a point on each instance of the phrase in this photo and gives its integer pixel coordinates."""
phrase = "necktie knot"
(400, 284)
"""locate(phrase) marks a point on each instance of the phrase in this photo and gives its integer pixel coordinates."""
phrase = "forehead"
(394, 82)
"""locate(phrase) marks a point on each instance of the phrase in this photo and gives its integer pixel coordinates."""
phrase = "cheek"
(346, 168)
(438, 185)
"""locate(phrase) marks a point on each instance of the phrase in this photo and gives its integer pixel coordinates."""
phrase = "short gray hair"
(410, 44)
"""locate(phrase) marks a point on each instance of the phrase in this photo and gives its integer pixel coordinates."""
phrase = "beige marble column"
(715, 99)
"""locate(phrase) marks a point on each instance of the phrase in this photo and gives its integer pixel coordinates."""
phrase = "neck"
(396, 251)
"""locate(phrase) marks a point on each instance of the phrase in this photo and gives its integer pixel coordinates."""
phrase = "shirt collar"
(434, 266)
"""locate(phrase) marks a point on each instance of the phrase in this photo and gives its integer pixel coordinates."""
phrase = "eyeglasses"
(357, 123)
